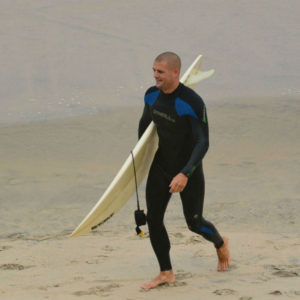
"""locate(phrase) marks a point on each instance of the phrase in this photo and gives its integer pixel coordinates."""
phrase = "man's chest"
(165, 116)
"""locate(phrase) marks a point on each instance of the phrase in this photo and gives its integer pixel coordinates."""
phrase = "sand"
(73, 74)
(53, 172)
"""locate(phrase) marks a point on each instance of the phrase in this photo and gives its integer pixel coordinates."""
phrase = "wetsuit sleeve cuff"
(188, 172)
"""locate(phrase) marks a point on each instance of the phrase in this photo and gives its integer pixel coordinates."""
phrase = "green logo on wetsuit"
(192, 170)
(204, 120)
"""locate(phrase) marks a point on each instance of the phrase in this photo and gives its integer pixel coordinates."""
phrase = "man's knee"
(194, 223)
(197, 224)
(200, 226)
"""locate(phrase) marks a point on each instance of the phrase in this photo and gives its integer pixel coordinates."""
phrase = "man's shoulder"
(189, 103)
(189, 96)
(151, 89)
(151, 95)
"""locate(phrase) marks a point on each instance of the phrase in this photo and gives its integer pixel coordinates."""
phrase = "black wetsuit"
(182, 127)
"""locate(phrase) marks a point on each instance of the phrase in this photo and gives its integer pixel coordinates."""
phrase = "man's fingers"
(178, 183)
(176, 188)
(172, 188)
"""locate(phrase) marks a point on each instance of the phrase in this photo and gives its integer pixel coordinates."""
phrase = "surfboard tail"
(199, 76)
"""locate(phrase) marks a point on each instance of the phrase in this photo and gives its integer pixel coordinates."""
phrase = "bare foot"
(224, 256)
(165, 277)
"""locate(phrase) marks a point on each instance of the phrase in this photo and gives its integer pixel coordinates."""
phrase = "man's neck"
(171, 89)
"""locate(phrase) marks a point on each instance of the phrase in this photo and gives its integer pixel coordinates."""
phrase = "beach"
(73, 77)
(252, 195)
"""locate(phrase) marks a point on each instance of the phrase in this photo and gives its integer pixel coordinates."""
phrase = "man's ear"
(176, 72)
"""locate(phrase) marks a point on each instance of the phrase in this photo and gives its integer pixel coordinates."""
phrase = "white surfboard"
(123, 185)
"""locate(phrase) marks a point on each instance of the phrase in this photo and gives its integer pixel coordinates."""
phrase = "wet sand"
(53, 172)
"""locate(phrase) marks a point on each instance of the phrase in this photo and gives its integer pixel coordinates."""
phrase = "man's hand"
(178, 183)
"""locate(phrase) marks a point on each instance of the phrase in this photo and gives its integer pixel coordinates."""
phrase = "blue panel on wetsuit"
(151, 97)
(207, 230)
(183, 109)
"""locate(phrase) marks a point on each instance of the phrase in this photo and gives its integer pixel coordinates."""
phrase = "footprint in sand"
(168, 285)
(177, 238)
(108, 248)
(13, 267)
(296, 293)
(285, 270)
(194, 240)
(179, 283)
(78, 278)
(283, 273)
(180, 275)
(98, 290)
(2, 248)
(178, 235)
(46, 287)
(278, 293)
(96, 261)
(290, 294)
(225, 292)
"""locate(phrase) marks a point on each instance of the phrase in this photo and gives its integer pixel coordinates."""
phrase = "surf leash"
(139, 215)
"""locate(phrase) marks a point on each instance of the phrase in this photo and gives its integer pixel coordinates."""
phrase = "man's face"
(164, 76)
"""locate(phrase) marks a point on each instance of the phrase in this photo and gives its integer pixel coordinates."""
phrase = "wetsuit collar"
(175, 91)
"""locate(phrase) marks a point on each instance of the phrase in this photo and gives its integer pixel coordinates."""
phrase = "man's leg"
(157, 198)
(192, 200)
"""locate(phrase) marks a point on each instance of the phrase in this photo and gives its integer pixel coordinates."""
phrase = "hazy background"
(62, 58)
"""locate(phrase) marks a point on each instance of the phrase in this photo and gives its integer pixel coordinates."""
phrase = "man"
(180, 117)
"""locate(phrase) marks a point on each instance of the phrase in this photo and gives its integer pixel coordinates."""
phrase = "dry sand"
(53, 172)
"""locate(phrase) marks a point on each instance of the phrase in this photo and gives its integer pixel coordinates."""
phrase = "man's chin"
(158, 85)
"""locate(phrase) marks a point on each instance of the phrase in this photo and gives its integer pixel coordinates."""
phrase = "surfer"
(182, 126)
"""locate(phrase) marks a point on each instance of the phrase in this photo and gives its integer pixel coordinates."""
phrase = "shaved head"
(172, 59)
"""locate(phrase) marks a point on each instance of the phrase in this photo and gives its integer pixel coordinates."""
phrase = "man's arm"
(144, 121)
(200, 136)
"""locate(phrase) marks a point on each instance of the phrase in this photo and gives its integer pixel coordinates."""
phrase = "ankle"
(167, 275)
